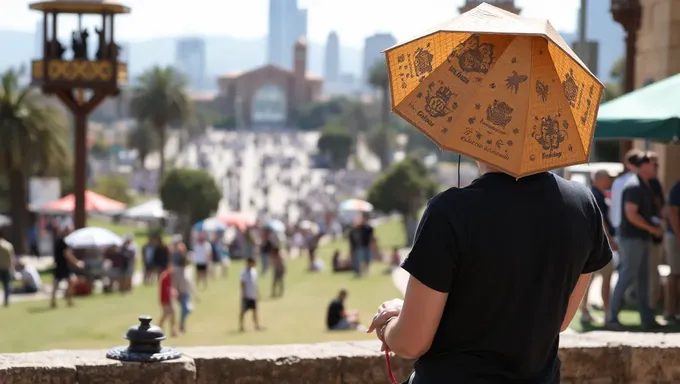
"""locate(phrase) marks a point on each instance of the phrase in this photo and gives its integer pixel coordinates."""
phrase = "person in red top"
(167, 292)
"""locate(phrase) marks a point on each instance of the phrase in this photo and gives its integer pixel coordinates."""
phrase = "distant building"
(287, 23)
(373, 47)
(190, 58)
(332, 59)
(508, 5)
(269, 96)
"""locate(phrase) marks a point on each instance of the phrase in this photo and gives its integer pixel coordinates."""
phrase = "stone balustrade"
(596, 357)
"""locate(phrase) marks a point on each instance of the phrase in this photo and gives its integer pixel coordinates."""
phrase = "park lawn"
(99, 321)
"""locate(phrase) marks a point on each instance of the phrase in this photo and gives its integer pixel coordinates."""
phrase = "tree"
(380, 140)
(34, 141)
(190, 194)
(405, 187)
(161, 98)
(144, 139)
(379, 79)
(617, 73)
(114, 187)
(336, 144)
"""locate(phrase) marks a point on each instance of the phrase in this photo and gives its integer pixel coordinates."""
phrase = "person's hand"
(386, 310)
(80, 264)
(656, 231)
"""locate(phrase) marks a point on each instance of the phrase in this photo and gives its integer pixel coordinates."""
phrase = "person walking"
(494, 265)
(249, 293)
(64, 261)
(361, 241)
(639, 224)
(6, 267)
(672, 247)
(181, 280)
(629, 160)
(202, 253)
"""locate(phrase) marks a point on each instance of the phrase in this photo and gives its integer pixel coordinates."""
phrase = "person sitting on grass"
(339, 319)
(167, 292)
(340, 264)
(29, 277)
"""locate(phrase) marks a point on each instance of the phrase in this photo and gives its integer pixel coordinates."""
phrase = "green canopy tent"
(649, 113)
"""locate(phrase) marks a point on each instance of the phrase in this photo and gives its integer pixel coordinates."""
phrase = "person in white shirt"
(249, 293)
(29, 277)
(616, 206)
(202, 254)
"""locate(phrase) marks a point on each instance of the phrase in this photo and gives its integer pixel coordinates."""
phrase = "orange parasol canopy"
(237, 219)
(500, 88)
(93, 203)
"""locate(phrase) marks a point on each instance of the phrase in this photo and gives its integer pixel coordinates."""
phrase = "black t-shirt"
(604, 207)
(509, 253)
(673, 201)
(59, 249)
(361, 236)
(334, 315)
(640, 194)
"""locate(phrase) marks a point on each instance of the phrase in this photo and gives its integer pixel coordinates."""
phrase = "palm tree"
(144, 139)
(380, 80)
(161, 98)
(34, 136)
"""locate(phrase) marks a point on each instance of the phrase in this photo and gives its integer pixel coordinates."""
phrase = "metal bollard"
(145, 344)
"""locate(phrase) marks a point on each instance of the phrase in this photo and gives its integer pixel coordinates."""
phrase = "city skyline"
(400, 18)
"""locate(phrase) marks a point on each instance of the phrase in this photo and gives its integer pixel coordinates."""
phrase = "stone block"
(94, 368)
(54, 367)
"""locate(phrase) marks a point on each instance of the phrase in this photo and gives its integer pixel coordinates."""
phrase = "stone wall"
(596, 357)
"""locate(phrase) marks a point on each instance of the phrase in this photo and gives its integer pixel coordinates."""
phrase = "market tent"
(93, 203)
(150, 210)
(651, 113)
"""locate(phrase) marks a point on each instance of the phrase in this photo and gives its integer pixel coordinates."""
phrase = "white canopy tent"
(151, 210)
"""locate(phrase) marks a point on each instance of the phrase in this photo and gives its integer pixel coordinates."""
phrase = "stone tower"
(300, 71)
(508, 5)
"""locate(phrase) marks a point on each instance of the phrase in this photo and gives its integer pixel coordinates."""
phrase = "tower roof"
(301, 42)
(80, 6)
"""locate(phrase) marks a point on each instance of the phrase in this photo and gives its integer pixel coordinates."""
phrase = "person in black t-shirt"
(63, 260)
(602, 181)
(639, 223)
(656, 248)
(361, 242)
(672, 246)
(339, 319)
(498, 270)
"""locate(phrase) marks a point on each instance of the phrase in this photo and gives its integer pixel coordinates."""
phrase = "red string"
(388, 361)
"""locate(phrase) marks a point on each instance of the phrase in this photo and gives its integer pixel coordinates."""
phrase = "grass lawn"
(99, 321)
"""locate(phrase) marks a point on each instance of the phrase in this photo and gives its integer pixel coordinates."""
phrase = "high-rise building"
(507, 5)
(191, 61)
(287, 23)
(373, 47)
(332, 59)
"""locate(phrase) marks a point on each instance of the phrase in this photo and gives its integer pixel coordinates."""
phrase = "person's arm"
(599, 256)
(631, 210)
(72, 259)
(432, 266)
(12, 258)
(411, 333)
(632, 197)
(674, 219)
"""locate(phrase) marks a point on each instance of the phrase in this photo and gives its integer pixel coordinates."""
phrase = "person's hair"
(251, 260)
(343, 292)
(600, 174)
(646, 157)
(633, 156)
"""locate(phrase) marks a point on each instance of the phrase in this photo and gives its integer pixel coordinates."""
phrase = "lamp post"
(628, 13)
(80, 82)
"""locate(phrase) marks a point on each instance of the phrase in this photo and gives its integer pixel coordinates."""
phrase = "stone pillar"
(658, 57)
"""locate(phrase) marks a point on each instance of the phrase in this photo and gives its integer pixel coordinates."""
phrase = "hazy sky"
(352, 19)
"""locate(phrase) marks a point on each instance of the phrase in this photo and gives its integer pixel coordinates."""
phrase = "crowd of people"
(642, 224)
